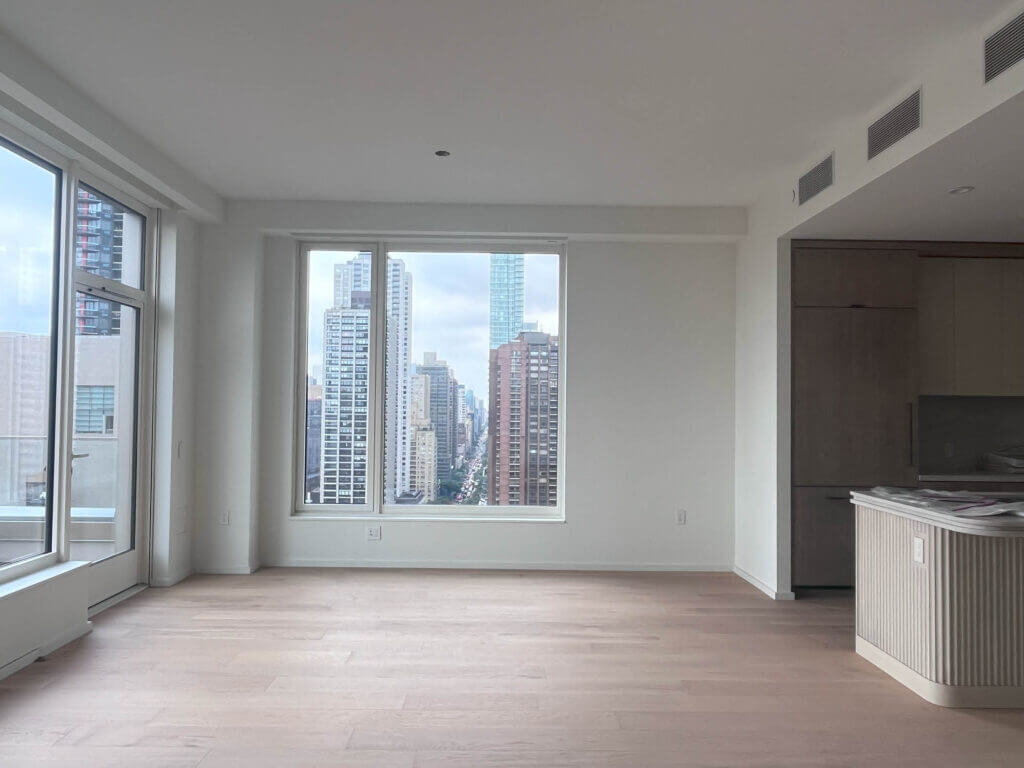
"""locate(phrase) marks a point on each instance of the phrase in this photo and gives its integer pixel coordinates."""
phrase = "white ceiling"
(912, 201)
(632, 102)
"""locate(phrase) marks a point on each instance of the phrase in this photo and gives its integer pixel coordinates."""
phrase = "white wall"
(649, 378)
(227, 399)
(649, 415)
(173, 447)
(953, 95)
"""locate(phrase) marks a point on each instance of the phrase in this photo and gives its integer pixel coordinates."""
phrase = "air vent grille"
(815, 180)
(901, 120)
(1005, 48)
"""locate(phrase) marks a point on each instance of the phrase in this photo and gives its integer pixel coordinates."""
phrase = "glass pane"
(338, 378)
(108, 238)
(28, 233)
(472, 379)
(103, 444)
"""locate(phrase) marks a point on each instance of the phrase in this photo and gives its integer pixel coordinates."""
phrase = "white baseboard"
(169, 580)
(771, 592)
(235, 570)
(66, 637)
(18, 664)
(46, 649)
(299, 562)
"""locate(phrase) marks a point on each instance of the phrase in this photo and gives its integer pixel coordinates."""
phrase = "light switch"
(918, 549)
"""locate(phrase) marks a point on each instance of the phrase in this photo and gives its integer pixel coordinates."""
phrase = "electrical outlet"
(373, 533)
(681, 517)
(225, 517)
(918, 549)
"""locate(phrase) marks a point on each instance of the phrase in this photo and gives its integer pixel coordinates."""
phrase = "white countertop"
(997, 525)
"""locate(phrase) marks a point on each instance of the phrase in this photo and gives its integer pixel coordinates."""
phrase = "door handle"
(910, 433)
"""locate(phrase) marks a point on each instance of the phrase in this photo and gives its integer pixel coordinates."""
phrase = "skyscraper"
(346, 386)
(353, 275)
(345, 406)
(507, 277)
(100, 232)
(397, 435)
(442, 410)
(523, 425)
(423, 453)
(314, 416)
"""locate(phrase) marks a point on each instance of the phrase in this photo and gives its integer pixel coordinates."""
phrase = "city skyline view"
(457, 326)
(448, 321)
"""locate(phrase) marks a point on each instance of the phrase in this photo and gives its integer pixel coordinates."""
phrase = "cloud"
(27, 222)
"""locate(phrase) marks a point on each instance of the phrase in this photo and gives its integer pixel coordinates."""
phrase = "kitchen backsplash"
(954, 432)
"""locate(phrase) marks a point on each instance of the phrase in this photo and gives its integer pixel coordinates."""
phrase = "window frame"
(69, 280)
(381, 246)
(374, 430)
(33, 151)
(142, 300)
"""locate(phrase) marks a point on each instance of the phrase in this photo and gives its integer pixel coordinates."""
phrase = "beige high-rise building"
(423, 438)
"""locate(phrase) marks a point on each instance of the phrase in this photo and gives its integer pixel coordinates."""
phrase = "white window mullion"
(378, 345)
(64, 433)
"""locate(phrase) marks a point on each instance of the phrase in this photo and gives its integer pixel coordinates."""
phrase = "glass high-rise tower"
(506, 298)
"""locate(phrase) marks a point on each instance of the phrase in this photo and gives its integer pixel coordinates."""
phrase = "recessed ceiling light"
(442, 153)
(961, 190)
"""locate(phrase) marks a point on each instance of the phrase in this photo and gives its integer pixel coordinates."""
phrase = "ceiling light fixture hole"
(442, 153)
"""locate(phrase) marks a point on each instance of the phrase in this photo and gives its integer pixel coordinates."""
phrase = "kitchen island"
(940, 597)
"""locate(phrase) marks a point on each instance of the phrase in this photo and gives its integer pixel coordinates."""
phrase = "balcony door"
(109, 372)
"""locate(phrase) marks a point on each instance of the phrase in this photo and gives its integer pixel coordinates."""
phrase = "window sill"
(40, 576)
(435, 515)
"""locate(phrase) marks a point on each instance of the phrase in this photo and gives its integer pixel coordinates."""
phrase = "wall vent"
(1005, 48)
(901, 120)
(815, 180)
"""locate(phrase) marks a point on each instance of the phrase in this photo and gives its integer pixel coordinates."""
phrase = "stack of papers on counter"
(956, 503)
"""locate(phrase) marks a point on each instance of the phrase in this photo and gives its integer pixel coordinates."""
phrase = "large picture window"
(453, 407)
(29, 251)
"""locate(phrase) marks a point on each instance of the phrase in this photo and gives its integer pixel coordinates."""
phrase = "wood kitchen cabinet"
(847, 277)
(936, 338)
(854, 388)
(823, 537)
(971, 337)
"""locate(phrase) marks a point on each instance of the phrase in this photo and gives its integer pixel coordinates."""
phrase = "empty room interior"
(466, 383)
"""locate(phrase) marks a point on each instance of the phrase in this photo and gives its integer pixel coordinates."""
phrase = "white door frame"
(121, 571)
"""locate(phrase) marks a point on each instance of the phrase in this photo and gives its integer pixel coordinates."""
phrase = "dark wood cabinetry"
(854, 393)
(823, 537)
(972, 326)
(846, 277)
(874, 326)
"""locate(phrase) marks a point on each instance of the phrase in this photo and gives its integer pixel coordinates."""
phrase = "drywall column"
(227, 399)
(175, 400)
(762, 405)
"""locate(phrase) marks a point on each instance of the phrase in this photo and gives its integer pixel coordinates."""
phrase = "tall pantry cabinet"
(854, 338)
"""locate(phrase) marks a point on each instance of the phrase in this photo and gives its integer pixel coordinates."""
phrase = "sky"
(450, 305)
(27, 212)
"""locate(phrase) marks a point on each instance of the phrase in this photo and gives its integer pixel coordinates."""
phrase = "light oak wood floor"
(457, 669)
